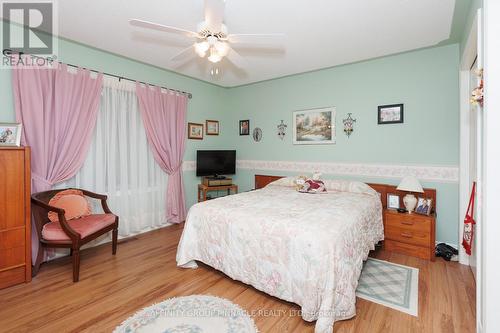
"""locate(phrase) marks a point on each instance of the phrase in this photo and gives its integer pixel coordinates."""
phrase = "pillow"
(73, 202)
(349, 186)
(313, 186)
(286, 181)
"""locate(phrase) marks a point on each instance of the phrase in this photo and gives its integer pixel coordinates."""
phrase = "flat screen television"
(215, 163)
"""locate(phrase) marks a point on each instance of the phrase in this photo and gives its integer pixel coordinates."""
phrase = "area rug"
(190, 314)
(391, 285)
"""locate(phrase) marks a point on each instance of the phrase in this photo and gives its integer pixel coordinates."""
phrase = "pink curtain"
(58, 111)
(164, 117)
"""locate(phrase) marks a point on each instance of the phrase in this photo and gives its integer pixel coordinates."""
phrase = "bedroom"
(331, 92)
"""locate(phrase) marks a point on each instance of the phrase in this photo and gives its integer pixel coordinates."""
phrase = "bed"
(303, 248)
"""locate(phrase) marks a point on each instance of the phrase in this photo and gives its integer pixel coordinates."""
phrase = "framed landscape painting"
(315, 126)
(212, 127)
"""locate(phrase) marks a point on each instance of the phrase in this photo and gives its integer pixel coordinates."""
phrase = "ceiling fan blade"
(184, 55)
(161, 27)
(214, 14)
(257, 38)
(236, 59)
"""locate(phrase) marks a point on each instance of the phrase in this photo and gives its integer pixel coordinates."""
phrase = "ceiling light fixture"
(211, 37)
(214, 55)
(201, 48)
(214, 71)
(222, 48)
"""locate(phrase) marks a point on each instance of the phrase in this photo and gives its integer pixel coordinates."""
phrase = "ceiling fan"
(212, 37)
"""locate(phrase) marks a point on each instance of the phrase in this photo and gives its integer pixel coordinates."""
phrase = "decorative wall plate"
(257, 134)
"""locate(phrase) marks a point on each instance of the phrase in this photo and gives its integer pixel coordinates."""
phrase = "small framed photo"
(195, 131)
(424, 206)
(10, 134)
(390, 114)
(212, 127)
(392, 201)
(244, 127)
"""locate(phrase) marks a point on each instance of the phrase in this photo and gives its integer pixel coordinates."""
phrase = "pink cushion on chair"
(84, 226)
(73, 202)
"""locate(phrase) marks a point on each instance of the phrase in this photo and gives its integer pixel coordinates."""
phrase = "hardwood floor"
(144, 272)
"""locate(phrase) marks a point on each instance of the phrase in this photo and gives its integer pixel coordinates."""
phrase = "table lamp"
(410, 184)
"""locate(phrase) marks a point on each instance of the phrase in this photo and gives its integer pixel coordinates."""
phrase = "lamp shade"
(410, 184)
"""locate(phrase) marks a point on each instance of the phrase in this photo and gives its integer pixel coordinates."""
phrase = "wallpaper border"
(446, 174)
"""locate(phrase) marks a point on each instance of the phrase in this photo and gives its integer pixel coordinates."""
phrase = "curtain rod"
(189, 95)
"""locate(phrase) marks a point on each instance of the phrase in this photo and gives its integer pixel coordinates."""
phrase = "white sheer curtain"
(121, 165)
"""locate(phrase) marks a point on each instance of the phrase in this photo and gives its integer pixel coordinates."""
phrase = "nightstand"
(410, 234)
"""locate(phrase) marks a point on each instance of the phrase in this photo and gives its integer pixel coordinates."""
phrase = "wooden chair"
(99, 224)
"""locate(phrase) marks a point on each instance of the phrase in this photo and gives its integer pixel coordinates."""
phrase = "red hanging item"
(469, 222)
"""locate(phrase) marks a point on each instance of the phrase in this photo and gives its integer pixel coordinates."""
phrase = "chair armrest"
(61, 217)
(94, 195)
(102, 197)
(75, 236)
(47, 207)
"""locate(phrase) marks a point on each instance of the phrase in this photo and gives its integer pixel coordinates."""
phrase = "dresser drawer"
(408, 235)
(409, 249)
(12, 238)
(12, 257)
(411, 222)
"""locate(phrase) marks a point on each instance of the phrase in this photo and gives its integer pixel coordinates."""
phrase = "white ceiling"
(319, 33)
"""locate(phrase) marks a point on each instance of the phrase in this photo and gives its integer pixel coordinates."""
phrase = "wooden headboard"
(384, 189)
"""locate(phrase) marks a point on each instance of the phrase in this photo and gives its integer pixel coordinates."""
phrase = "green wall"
(426, 81)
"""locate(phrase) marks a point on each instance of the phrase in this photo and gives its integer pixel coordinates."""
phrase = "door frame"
(472, 49)
(469, 54)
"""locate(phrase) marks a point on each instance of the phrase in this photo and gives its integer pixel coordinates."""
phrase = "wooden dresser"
(15, 216)
(411, 234)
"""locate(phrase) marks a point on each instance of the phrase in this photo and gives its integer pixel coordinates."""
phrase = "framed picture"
(315, 126)
(195, 131)
(392, 201)
(244, 127)
(212, 127)
(424, 206)
(10, 134)
(390, 114)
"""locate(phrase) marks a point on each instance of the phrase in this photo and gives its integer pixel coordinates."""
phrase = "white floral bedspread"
(303, 248)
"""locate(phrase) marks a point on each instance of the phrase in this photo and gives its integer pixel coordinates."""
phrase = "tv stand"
(217, 181)
(204, 189)
(216, 177)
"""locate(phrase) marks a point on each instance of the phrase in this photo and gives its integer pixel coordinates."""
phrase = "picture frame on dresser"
(393, 201)
(424, 206)
(10, 134)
